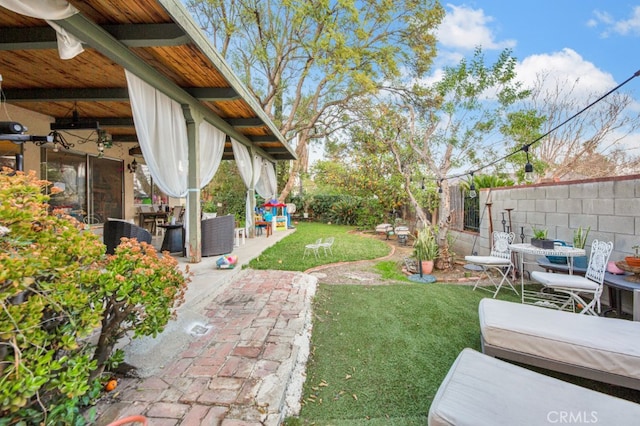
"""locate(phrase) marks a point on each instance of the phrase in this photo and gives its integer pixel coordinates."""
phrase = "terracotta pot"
(632, 261)
(427, 266)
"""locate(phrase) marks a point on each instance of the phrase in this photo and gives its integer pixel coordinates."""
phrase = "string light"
(528, 168)
(472, 188)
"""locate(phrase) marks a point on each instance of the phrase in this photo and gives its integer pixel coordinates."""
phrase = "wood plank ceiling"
(162, 36)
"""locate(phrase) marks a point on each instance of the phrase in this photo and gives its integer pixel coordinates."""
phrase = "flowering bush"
(139, 291)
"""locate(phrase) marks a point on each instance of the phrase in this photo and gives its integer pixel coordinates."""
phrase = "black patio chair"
(116, 229)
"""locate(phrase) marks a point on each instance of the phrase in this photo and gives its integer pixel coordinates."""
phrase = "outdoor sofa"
(217, 235)
(481, 390)
(597, 348)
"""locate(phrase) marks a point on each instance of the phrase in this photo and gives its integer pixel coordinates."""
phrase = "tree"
(590, 145)
(446, 127)
(226, 193)
(306, 60)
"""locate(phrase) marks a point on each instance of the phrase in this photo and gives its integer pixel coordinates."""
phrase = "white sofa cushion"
(605, 344)
(564, 280)
(481, 390)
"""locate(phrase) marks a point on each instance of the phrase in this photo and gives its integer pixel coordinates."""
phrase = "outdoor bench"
(385, 229)
(481, 390)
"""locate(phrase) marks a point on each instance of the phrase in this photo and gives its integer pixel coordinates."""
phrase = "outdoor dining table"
(523, 249)
(151, 218)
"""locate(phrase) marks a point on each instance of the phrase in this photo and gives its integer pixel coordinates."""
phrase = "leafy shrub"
(345, 211)
(55, 286)
(348, 210)
(46, 312)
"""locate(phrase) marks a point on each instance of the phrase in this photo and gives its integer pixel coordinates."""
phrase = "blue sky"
(596, 41)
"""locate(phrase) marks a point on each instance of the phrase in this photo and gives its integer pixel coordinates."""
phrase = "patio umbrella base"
(424, 278)
(472, 267)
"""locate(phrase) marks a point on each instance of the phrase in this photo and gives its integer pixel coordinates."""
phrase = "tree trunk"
(445, 260)
(111, 322)
(298, 166)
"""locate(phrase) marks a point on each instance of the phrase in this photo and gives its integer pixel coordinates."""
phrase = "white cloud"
(565, 66)
(466, 28)
(631, 25)
(624, 27)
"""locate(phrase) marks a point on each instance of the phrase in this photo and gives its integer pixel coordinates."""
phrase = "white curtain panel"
(270, 176)
(50, 10)
(162, 133)
(211, 150)
(267, 184)
(245, 166)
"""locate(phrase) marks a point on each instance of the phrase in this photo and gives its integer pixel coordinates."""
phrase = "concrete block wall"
(610, 206)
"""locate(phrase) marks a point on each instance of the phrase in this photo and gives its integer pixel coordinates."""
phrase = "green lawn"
(381, 352)
(287, 253)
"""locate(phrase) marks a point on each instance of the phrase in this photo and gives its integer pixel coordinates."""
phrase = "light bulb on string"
(472, 188)
(528, 168)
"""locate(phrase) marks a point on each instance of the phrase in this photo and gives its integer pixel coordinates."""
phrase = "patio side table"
(239, 236)
(173, 241)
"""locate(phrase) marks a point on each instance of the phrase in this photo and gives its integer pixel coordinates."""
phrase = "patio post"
(194, 236)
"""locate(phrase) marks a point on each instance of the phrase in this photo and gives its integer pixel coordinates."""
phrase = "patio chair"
(114, 230)
(499, 260)
(402, 232)
(147, 222)
(326, 245)
(312, 248)
(577, 286)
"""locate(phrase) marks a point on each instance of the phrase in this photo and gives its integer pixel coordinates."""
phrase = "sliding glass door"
(92, 187)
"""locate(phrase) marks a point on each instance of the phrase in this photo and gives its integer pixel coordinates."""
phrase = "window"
(8, 152)
(145, 191)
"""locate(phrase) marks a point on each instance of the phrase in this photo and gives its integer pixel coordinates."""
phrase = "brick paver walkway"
(246, 368)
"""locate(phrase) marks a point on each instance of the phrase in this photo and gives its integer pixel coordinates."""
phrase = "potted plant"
(540, 239)
(209, 210)
(634, 261)
(306, 199)
(579, 241)
(425, 249)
